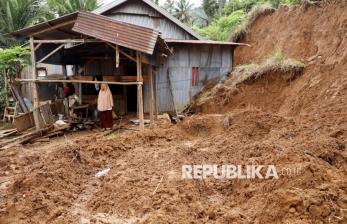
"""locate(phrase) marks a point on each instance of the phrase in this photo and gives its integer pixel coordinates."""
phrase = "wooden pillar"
(151, 86)
(139, 90)
(117, 56)
(6, 88)
(155, 94)
(66, 99)
(36, 102)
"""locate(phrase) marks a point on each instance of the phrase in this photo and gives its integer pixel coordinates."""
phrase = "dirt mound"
(311, 34)
(145, 183)
(314, 35)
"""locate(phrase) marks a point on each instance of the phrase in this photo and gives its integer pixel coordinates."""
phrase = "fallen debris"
(7, 132)
(102, 173)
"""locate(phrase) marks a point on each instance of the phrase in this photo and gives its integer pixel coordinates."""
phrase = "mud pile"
(145, 183)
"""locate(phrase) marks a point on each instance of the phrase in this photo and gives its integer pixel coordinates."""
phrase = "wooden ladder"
(10, 113)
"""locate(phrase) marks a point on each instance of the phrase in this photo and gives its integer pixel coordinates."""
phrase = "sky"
(161, 2)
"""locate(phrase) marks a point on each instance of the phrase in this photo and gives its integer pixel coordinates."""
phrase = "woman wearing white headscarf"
(105, 104)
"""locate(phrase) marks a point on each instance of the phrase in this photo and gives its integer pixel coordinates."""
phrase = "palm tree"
(63, 7)
(18, 14)
(182, 11)
(169, 6)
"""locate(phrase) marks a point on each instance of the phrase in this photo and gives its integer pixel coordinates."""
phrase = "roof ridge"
(162, 11)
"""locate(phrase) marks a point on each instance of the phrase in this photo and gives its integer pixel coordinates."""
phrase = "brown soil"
(299, 125)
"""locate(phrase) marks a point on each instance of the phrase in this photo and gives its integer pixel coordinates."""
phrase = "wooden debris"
(137, 121)
(25, 138)
(7, 133)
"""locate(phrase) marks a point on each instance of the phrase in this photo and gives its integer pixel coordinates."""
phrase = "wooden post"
(117, 56)
(139, 91)
(151, 102)
(66, 99)
(6, 88)
(155, 93)
(36, 101)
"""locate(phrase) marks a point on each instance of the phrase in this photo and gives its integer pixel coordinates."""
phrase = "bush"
(12, 61)
(220, 29)
(245, 5)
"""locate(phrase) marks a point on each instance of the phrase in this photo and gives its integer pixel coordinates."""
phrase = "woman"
(105, 104)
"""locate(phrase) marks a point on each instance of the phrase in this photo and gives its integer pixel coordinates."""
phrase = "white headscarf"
(105, 99)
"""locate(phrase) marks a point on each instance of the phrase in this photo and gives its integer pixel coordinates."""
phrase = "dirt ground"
(299, 126)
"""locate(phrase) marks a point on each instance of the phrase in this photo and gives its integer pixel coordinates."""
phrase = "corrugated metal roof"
(127, 35)
(211, 42)
(116, 3)
(41, 26)
(124, 34)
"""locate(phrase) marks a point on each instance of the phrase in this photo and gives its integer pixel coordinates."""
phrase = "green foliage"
(246, 5)
(12, 61)
(17, 14)
(183, 10)
(221, 28)
(169, 6)
(210, 8)
(278, 55)
(63, 7)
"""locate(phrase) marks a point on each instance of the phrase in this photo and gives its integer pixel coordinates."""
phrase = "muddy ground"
(56, 183)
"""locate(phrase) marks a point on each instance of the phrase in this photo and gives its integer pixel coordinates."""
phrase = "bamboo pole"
(68, 41)
(117, 56)
(51, 53)
(53, 27)
(77, 81)
(36, 101)
(151, 104)
(139, 91)
(6, 88)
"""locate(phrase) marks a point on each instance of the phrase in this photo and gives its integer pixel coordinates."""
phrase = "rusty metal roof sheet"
(123, 34)
(127, 35)
(45, 25)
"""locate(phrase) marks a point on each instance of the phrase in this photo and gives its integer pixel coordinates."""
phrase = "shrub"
(220, 29)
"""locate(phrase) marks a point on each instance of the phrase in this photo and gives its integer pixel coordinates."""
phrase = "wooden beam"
(128, 56)
(155, 94)
(139, 91)
(36, 101)
(77, 81)
(151, 102)
(68, 41)
(37, 46)
(122, 52)
(117, 56)
(51, 53)
(53, 28)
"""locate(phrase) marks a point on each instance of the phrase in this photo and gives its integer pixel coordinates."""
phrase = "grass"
(240, 32)
(277, 62)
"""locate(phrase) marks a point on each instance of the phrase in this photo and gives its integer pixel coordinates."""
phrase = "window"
(41, 72)
(195, 76)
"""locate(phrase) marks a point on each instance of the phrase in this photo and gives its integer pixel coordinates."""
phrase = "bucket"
(60, 117)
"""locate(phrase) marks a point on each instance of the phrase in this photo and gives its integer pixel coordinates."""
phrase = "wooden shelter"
(84, 40)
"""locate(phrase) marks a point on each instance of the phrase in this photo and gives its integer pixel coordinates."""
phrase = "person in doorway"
(105, 104)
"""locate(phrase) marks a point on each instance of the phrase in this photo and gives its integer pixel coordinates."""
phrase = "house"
(155, 62)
